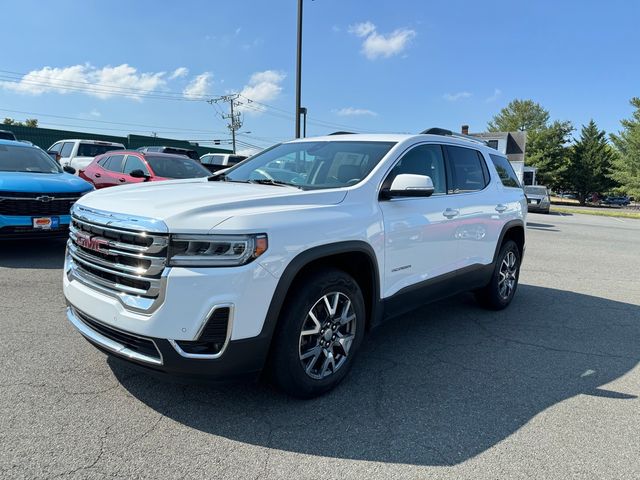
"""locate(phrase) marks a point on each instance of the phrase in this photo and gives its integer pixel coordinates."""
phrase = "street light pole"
(298, 68)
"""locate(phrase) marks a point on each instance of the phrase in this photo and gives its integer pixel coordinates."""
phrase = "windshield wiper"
(269, 181)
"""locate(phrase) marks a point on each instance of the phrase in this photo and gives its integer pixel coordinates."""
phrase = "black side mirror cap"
(69, 169)
(137, 173)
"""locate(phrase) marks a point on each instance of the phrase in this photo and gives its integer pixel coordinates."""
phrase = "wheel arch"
(512, 230)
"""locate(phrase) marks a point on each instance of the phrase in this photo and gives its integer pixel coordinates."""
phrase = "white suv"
(286, 260)
(78, 154)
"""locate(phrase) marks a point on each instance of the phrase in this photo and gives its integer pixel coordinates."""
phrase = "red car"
(123, 166)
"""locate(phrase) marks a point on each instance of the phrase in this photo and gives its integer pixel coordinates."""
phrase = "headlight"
(215, 250)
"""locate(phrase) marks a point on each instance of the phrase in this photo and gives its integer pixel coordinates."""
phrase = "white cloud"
(454, 97)
(179, 73)
(377, 45)
(103, 82)
(350, 111)
(95, 113)
(199, 86)
(262, 87)
(496, 93)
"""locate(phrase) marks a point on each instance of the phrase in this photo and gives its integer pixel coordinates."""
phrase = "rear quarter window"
(505, 171)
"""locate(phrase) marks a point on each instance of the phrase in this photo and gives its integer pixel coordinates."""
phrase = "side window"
(67, 148)
(505, 171)
(235, 159)
(56, 147)
(115, 163)
(217, 159)
(134, 163)
(206, 160)
(467, 174)
(422, 160)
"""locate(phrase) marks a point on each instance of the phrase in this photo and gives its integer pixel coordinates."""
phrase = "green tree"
(520, 115)
(31, 122)
(626, 164)
(8, 121)
(546, 142)
(589, 163)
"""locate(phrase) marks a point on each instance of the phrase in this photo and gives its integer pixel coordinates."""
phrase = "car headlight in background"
(215, 250)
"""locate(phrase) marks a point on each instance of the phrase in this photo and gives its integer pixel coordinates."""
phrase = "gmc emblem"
(92, 243)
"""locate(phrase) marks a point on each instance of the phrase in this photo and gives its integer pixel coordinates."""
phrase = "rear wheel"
(504, 280)
(320, 330)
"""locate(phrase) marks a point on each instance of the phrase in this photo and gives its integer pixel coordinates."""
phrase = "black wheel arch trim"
(303, 259)
(508, 226)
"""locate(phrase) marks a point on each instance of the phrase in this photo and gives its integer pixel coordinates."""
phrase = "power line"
(235, 118)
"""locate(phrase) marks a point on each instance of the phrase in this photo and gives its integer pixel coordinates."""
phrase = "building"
(511, 144)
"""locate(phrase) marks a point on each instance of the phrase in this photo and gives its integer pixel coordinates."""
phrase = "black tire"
(493, 295)
(287, 368)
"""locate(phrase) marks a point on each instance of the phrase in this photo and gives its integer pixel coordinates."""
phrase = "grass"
(602, 213)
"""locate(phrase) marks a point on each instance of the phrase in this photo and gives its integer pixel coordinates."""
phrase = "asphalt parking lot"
(546, 389)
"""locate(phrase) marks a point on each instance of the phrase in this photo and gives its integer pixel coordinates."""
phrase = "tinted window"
(233, 159)
(467, 174)
(67, 148)
(422, 160)
(535, 190)
(505, 171)
(206, 159)
(26, 159)
(115, 163)
(4, 135)
(176, 167)
(134, 163)
(493, 143)
(217, 159)
(93, 150)
(56, 147)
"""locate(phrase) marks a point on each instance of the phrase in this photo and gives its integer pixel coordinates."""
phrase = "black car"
(617, 201)
(174, 150)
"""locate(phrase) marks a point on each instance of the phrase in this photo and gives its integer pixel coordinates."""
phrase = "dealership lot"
(547, 388)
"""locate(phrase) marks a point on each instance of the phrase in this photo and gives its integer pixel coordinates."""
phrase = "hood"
(195, 205)
(42, 183)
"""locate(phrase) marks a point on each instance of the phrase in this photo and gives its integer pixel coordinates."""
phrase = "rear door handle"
(123, 180)
(501, 208)
(97, 175)
(450, 213)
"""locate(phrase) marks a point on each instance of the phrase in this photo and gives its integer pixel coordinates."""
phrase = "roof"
(15, 143)
(144, 154)
(87, 140)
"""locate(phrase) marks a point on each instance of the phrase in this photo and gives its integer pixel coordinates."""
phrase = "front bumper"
(241, 358)
(21, 227)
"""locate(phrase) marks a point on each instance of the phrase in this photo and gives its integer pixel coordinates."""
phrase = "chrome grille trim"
(129, 265)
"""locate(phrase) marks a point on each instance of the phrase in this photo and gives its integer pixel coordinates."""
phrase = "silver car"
(537, 198)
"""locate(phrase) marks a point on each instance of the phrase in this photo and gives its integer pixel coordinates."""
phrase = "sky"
(141, 66)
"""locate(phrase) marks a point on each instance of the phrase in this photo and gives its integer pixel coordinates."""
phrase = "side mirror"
(69, 169)
(409, 185)
(55, 155)
(137, 173)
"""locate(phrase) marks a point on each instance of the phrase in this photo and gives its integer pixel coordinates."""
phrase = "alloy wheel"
(327, 335)
(508, 275)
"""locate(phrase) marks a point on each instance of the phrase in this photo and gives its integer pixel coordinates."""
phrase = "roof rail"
(449, 133)
(342, 133)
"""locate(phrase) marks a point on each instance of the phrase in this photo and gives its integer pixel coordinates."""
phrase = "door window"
(56, 147)
(134, 163)
(467, 174)
(505, 171)
(67, 148)
(115, 163)
(422, 160)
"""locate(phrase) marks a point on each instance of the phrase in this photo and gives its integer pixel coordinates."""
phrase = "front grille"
(123, 261)
(36, 204)
(141, 345)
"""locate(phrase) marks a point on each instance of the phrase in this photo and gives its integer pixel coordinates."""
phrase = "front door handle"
(450, 213)
(97, 175)
(122, 180)
(501, 208)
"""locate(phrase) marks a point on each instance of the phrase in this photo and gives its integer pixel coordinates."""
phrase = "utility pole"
(234, 117)
(298, 69)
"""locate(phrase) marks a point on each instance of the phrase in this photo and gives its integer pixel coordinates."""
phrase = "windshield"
(535, 190)
(312, 165)
(93, 150)
(177, 166)
(26, 159)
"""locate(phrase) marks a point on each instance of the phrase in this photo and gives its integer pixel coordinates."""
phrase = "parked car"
(174, 150)
(615, 201)
(220, 161)
(214, 276)
(128, 166)
(537, 198)
(36, 194)
(7, 135)
(80, 153)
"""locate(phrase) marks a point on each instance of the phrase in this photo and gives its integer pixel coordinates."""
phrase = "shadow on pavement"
(44, 253)
(436, 387)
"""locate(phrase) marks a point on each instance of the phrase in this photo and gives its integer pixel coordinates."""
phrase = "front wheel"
(504, 280)
(320, 331)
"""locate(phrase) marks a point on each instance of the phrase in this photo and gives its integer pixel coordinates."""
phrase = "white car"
(288, 266)
(219, 161)
(80, 153)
